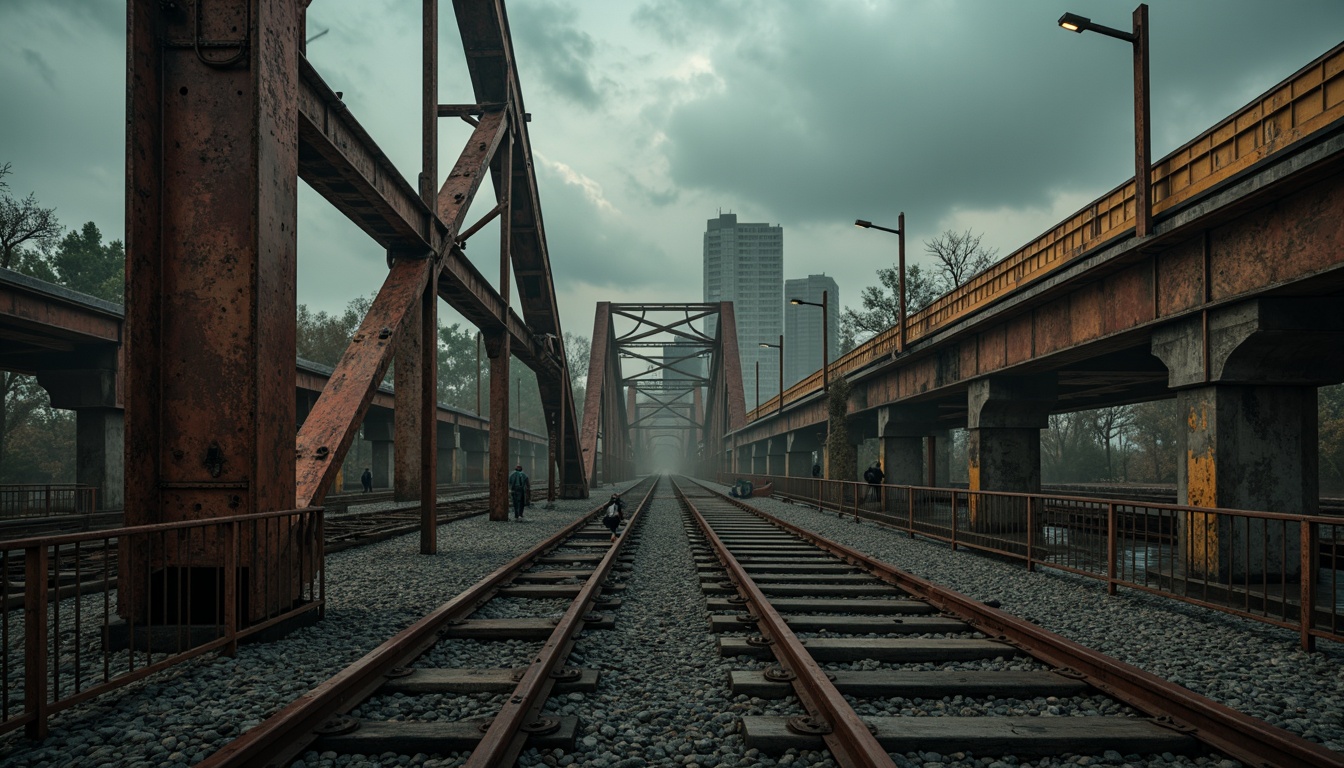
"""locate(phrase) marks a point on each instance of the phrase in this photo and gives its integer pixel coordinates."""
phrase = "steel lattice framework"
(670, 396)
(225, 115)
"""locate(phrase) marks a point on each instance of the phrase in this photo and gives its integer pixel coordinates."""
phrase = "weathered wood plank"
(914, 684)
(1020, 736)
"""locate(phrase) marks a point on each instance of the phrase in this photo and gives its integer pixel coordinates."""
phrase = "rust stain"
(1201, 527)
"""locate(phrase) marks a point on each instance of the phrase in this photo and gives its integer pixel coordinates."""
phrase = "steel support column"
(211, 204)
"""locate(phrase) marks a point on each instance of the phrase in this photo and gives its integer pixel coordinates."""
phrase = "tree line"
(37, 442)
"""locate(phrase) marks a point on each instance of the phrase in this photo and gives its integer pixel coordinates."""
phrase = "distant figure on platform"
(615, 514)
(816, 469)
(874, 477)
(366, 480)
(520, 490)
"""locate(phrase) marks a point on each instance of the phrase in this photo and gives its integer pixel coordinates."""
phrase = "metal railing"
(64, 641)
(1263, 566)
(18, 501)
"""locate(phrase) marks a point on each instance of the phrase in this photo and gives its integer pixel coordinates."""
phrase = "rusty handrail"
(849, 740)
(1237, 735)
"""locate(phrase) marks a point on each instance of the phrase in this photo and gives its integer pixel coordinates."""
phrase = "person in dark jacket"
(614, 514)
(816, 469)
(366, 480)
(520, 491)
(874, 477)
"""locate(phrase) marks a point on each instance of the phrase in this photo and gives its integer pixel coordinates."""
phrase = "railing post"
(1307, 582)
(954, 520)
(910, 502)
(857, 500)
(1031, 534)
(1110, 548)
(35, 633)
(230, 577)
(47, 502)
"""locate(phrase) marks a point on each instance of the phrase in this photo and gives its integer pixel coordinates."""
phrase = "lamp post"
(825, 343)
(780, 347)
(1143, 205)
(899, 231)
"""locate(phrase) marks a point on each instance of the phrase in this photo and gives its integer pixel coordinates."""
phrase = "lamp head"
(862, 223)
(1074, 23)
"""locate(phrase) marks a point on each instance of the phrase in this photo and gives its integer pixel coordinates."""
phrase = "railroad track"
(518, 603)
(848, 634)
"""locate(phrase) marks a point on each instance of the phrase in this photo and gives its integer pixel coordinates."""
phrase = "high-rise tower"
(744, 264)
(802, 327)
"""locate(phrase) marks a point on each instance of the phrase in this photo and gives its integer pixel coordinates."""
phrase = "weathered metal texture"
(335, 418)
(1275, 232)
(407, 413)
(601, 359)
(1241, 737)
(212, 163)
(497, 347)
(1190, 190)
(285, 735)
(734, 406)
(848, 738)
(43, 326)
(485, 35)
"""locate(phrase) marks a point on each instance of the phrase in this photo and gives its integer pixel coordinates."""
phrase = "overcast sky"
(650, 116)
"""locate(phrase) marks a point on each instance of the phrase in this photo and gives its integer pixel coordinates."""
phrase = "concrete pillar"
(1005, 416)
(802, 451)
(1246, 397)
(99, 451)
(99, 424)
(901, 431)
(758, 457)
(939, 454)
(776, 453)
(447, 450)
(303, 405)
(378, 430)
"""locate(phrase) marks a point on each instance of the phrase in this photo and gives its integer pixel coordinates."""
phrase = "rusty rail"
(1162, 549)
(505, 738)
(284, 736)
(1236, 735)
(848, 739)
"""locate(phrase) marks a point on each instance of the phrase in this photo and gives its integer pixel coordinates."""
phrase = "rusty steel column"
(406, 411)
(211, 204)
(497, 347)
(429, 305)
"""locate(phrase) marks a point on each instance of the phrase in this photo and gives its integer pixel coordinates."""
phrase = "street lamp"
(899, 231)
(780, 347)
(825, 342)
(1143, 206)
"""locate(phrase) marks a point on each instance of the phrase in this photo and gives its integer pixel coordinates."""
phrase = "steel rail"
(283, 736)
(504, 739)
(1234, 734)
(849, 740)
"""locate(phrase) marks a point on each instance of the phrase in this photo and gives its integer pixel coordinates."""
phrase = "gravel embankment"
(180, 716)
(1251, 667)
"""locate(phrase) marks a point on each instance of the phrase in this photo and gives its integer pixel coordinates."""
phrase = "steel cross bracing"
(671, 397)
(225, 115)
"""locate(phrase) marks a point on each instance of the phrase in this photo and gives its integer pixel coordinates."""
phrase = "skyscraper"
(744, 264)
(802, 327)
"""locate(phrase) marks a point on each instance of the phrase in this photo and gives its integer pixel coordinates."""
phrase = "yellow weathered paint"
(972, 500)
(1201, 527)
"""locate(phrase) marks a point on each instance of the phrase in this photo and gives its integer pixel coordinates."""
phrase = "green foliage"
(83, 263)
(322, 338)
(882, 304)
(458, 351)
(839, 447)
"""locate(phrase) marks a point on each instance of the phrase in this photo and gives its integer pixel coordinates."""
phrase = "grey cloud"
(931, 107)
(552, 46)
(35, 60)
(683, 21)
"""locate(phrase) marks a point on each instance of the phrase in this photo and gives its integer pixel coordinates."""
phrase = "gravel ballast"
(663, 698)
(1252, 667)
(182, 715)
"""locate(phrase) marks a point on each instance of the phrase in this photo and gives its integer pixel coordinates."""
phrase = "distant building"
(744, 264)
(802, 327)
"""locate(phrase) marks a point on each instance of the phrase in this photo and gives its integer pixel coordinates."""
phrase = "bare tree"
(958, 255)
(1109, 425)
(23, 221)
